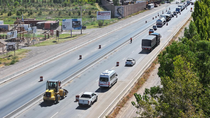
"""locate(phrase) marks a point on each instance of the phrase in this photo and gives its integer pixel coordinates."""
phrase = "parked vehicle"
(151, 31)
(160, 22)
(188, 2)
(154, 27)
(87, 98)
(150, 6)
(178, 9)
(108, 78)
(149, 42)
(130, 62)
(166, 16)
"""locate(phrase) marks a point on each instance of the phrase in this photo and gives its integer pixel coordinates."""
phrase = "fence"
(124, 10)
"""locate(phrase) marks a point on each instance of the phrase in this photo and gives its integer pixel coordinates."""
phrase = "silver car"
(130, 62)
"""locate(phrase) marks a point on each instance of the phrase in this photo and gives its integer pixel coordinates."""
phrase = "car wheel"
(90, 104)
(96, 99)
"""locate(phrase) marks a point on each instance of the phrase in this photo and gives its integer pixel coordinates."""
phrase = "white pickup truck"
(87, 98)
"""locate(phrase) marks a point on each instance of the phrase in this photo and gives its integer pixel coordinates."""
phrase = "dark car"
(154, 27)
(151, 31)
(175, 13)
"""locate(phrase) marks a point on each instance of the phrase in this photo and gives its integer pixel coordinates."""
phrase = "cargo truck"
(151, 41)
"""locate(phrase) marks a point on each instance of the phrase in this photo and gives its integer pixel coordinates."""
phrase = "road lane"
(27, 86)
(88, 81)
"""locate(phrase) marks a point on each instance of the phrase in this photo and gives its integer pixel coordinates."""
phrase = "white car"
(130, 62)
(87, 98)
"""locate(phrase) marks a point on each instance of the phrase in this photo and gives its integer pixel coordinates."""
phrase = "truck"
(158, 36)
(166, 16)
(149, 42)
(54, 93)
(178, 9)
(160, 22)
(87, 99)
(188, 2)
(181, 6)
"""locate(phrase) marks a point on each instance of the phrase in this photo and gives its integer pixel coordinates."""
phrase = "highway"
(84, 73)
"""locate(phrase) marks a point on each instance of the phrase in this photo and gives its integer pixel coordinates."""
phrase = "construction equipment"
(54, 92)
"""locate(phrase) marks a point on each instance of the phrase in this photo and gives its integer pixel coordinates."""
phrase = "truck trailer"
(151, 41)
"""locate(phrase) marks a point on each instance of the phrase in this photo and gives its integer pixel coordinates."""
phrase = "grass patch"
(10, 58)
(62, 38)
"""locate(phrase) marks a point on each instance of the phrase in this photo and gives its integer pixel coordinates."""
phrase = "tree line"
(43, 1)
(185, 73)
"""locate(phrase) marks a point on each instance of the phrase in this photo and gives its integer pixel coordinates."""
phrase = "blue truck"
(178, 9)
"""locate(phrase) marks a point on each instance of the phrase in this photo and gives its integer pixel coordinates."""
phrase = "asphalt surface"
(88, 80)
(26, 87)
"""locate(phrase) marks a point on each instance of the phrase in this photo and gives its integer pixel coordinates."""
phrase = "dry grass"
(142, 79)
(10, 59)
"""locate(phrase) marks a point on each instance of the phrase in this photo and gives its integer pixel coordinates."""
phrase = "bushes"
(18, 13)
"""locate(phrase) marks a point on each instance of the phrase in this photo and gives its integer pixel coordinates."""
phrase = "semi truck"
(160, 22)
(151, 41)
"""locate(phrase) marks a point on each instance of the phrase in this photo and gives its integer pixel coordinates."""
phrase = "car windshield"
(154, 26)
(129, 60)
(104, 79)
(86, 96)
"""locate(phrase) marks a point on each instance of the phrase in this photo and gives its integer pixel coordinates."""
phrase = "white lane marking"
(54, 115)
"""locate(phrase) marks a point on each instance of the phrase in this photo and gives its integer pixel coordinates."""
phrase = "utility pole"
(81, 17)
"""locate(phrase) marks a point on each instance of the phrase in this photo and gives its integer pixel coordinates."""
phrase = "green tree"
(16, 3)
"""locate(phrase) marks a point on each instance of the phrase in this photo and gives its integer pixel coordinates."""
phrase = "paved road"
(88, 80)
(26, 87)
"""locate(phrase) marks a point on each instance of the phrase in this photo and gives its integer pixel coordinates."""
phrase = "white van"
(107, 78)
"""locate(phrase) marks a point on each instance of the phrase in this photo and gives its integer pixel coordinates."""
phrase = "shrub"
(100, 23)
(59, 13)
(12, 62)
(9, 14)
(78, 13)
(40, 13)
(50, 12)
(89, 13)
(91, 16)
(18, 13)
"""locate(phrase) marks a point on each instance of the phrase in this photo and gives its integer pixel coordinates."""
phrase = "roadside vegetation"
(12, 57)
(52, 10)
(185, 74)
